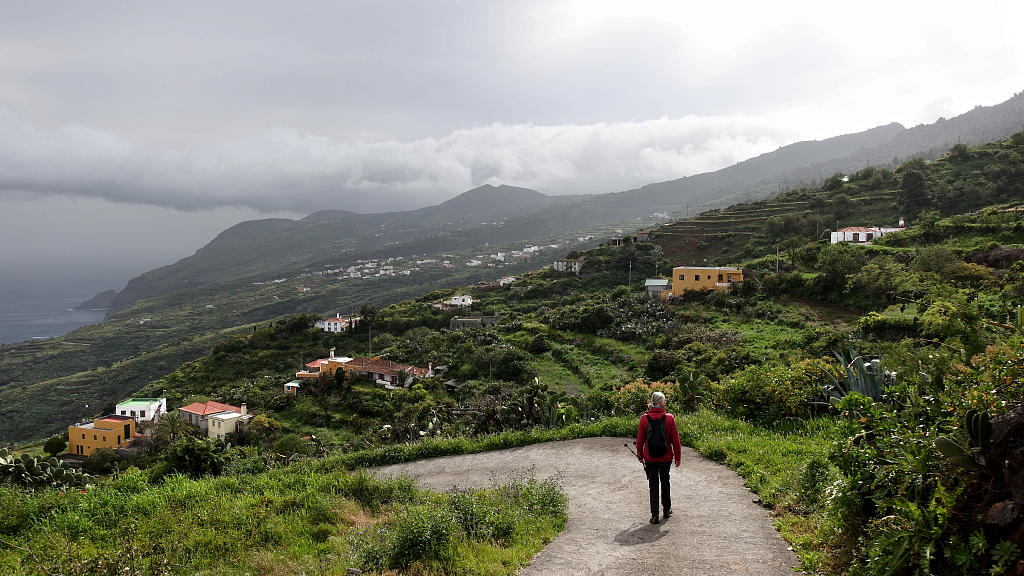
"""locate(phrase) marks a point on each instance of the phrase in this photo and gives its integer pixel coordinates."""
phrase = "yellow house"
(704, 278)
(108, 432)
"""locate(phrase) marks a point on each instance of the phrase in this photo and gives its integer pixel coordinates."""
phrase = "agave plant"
(863, 377)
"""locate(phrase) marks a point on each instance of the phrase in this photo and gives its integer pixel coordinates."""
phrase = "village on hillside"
(128, 430)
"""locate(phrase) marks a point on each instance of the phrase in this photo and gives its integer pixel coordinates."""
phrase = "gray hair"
(658, 399)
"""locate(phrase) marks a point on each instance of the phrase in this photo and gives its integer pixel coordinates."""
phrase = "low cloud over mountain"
(283, 169)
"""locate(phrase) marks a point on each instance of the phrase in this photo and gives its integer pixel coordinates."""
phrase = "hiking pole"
(644, 464)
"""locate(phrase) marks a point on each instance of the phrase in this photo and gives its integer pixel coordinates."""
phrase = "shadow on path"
(641, 534)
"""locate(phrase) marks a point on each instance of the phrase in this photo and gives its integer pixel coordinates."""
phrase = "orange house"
(323, 366)
(111, 431)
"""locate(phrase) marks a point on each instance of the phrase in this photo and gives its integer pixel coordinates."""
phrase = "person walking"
(657, 445)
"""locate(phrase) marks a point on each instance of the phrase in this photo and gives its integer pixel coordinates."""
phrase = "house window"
(104, 438)
(83, 436)
(681, 277)
(719, 277)
(94, 437)
(709, 276)
(118, 439)
(133, 413)
(122, 412)
(142, 413)
(696, 277)
(856, 236)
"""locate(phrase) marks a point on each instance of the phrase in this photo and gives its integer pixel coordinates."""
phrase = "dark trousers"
(657, 473)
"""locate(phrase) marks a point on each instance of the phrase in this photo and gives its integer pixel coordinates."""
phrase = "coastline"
(41, 320)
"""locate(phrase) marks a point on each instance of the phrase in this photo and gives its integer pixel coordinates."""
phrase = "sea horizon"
(42, 304)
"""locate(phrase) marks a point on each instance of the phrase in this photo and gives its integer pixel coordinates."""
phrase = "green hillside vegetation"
(45, 384)
(869, 394)
(962, 180)
(937, 303)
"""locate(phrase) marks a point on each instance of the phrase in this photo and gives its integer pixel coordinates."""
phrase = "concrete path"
(715, 529)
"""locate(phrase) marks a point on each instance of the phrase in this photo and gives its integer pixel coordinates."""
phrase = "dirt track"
(716, 529)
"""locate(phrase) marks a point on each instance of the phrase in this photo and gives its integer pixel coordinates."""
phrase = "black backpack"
(657, 440)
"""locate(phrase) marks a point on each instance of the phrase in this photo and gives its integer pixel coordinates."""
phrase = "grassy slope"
(292, 520)
(52, 383)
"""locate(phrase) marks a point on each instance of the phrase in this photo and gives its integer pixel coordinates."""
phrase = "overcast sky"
(135, 131)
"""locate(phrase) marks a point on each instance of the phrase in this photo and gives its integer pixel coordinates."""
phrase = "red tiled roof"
(856, 229)
(211, 407)
(316, 363)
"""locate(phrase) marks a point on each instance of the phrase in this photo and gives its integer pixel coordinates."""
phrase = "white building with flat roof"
(142, 409)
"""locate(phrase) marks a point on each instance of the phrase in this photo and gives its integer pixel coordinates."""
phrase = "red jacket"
(671, 434)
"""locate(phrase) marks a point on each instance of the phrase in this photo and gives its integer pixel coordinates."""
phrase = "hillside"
(99, 364)
(490, 215)
(872, 388)
(932, 304)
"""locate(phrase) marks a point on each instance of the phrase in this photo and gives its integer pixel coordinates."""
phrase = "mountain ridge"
(491, 214)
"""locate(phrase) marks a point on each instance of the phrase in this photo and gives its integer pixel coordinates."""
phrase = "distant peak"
(504, 189)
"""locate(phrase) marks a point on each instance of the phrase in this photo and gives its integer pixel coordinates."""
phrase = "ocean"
(41, 304)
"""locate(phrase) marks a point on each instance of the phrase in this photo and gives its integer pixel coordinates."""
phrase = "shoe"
(654, 519)
(667, 513)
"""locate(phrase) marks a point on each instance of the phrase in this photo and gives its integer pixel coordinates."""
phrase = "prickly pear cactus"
(31, 472)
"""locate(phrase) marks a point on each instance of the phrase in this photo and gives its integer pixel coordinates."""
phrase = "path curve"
(716, 528)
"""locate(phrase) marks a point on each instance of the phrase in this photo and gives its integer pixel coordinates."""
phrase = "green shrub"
(373, 493)
(814, 478)
(290, 444)
(101, 461)
(54, 445)
(195, 457)
(423, 532)
(765, 393)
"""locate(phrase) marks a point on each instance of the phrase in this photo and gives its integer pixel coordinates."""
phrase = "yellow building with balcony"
(112, 432)
(704, 278)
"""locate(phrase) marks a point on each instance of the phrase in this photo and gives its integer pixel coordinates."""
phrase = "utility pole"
(369, 338)
(629, 282)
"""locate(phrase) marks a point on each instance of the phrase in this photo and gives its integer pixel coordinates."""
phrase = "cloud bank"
(287, 170)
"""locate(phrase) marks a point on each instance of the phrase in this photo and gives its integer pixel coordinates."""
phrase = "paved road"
(715, 530)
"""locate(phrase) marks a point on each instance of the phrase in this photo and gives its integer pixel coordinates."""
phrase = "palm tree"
(171, 427)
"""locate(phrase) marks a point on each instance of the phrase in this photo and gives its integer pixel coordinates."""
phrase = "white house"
(568, 265)
(863, 234)
(463, 300)
(223, 423)
(337, 324)
(142, 409)
(655, 286)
